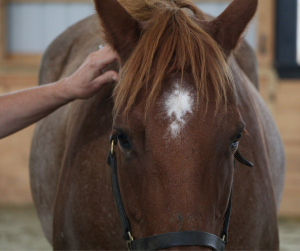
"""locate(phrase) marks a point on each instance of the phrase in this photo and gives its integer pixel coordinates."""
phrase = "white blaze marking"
(178, 104)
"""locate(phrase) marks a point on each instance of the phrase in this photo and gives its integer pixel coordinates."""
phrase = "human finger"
(100, 59)
(106, 77)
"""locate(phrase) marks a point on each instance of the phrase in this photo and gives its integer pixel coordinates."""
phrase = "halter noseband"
(173, 239)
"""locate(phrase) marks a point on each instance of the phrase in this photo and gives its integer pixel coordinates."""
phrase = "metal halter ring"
(112, 147)
(129, 241)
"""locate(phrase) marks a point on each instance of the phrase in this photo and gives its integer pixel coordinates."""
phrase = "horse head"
(176, 120)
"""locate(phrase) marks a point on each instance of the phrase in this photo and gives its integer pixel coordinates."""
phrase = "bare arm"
(21, 109)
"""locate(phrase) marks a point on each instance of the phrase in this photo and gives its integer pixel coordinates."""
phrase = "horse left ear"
(227, 28)
(121, 30)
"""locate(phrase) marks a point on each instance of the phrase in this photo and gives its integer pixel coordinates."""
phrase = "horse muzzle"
(172, 239)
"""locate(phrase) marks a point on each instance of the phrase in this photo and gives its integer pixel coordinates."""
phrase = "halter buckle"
(129, 241)
(112, 147)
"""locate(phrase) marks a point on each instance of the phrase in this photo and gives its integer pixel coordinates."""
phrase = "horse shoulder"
(61, 58)
(267, 130)
(47, 150)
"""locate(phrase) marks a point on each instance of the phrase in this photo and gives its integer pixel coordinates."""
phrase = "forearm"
(21, 109)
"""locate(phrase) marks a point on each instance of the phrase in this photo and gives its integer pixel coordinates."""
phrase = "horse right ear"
(228, 28)
(121, 30)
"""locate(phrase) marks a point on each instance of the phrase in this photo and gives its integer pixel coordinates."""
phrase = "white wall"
(32, 26)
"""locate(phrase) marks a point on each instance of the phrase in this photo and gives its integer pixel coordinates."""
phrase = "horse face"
(176, 169)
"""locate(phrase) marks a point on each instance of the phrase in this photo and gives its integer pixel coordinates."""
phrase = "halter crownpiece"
(172, 239)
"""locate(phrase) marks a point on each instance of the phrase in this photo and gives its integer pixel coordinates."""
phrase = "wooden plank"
(16, 60)
(14, 159)
(268, 81)
(288, 120)
(13, 82)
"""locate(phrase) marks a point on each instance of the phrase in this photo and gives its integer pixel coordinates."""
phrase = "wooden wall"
(287, 115)
(14, 150)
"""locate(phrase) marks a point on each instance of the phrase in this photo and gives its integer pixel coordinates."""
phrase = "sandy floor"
(20, 230)
(289, 235)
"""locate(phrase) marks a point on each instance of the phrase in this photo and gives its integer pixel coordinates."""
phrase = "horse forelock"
(172, 41)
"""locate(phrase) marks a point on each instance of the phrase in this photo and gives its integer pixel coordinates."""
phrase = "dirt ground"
(21, 230)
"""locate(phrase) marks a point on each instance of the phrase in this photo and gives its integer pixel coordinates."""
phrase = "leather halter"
(173, 239)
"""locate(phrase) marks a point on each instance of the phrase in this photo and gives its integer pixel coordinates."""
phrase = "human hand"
(88, 78)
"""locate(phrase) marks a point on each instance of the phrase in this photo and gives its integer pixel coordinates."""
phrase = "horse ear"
(121, 30)
(227, 28)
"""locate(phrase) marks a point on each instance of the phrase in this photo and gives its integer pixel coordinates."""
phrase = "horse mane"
(172, 41)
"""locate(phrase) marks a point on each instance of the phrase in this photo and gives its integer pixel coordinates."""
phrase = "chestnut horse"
(185, 95)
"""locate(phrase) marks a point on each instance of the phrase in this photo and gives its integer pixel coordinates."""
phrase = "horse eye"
(238, 137)
(235, 143)
(123, 141)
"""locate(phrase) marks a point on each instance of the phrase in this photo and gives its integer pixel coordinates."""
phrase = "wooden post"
(266, 33)
(266, 52)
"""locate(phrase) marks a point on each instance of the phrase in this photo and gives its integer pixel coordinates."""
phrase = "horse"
(186, 104)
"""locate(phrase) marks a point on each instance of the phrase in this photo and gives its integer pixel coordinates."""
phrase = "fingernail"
(114, 78)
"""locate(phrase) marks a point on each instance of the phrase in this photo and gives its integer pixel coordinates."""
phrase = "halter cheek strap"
(112, 162)
(167, 240)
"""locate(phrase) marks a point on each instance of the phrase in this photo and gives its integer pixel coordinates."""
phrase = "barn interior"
(27, 27)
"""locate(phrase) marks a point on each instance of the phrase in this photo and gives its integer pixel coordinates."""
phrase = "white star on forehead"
(178, 104)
